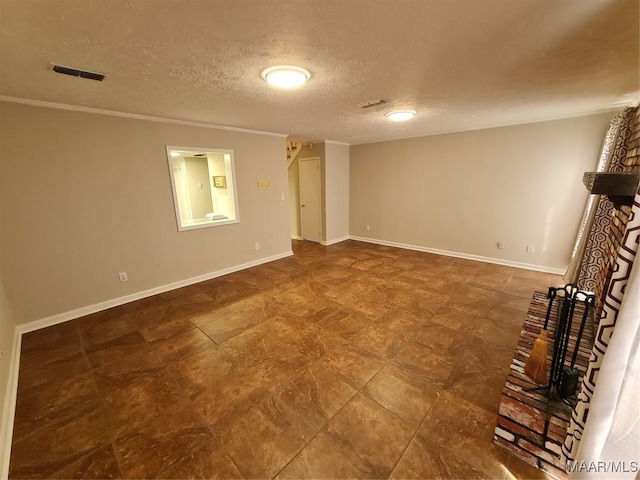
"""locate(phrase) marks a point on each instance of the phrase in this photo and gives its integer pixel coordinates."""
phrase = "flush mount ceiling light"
(401, 115)
(286, 76)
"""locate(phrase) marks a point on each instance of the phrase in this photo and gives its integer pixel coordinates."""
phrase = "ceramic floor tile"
(408, 396)
(320, 460)
(53, 403)
(60, 369)
(209, 462)
(196, 372)
(228, 326)
(273, 373)
(38, 338)
(389, 334)
(455, 427)
(124, 370)
(50, 351)
(355, 366)
(490, 280)
(101, 331)
(434, 367)
(263, 440)
(344, 324)
(166, 330)
(351, 360)
(376, 453)
(182, 345)
(58, 447)
(154, 447)
(480, 375)
(229, 397)
(419, 300)
(355, 304)
(456, 319)
(474, 300)
(502, 326)
(450, 342)
(315, 395)
(115, 349)
(424, 460)
(270, 339)
(140, 401)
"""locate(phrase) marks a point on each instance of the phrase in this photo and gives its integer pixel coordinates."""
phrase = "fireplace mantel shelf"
(620, 187)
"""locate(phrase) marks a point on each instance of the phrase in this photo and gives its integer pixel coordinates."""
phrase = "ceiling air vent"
(371, 103)
(74, 72)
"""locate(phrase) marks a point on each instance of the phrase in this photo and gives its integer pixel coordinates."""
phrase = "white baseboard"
(335, 240)
(98, 307)
(296, 237)
(8, 413)
(9, 410)
(467, 256)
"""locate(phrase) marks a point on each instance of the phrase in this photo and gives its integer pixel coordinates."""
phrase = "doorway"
(310, 199)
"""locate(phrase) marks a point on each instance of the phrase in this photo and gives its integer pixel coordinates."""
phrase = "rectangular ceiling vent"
(75, 72)
(371, 103)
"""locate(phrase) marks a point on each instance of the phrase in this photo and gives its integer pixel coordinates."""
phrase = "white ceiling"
(462, 64)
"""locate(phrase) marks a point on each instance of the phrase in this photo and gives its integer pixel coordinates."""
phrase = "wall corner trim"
(326, 243)
(9, 410)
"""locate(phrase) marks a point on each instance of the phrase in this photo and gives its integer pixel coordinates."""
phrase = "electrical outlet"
(500, 245)
(530, 249)
(367, 227)
(270, 245)
(123, 277)
(257, 245)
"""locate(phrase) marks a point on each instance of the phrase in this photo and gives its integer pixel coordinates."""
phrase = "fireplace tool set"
(563, 374)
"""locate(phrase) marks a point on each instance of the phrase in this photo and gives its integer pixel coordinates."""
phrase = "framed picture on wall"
(219, 181)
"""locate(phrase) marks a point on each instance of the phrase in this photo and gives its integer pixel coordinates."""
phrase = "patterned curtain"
(613, 301)
(587, 258)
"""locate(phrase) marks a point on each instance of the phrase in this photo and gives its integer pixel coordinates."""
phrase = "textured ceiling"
(463, 64)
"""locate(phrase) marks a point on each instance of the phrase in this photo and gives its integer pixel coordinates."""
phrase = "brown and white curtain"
(588, 256)
(603, 440)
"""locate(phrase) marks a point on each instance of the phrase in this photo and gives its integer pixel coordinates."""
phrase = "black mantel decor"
(620, 187)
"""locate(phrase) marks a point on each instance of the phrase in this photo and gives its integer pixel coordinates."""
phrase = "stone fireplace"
(532, 424)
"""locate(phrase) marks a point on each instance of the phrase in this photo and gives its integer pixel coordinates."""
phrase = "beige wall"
(85, 196)
(336, 167)
(465, 192)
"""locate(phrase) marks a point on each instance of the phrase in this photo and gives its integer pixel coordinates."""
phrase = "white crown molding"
(613, 110)
(135, 116)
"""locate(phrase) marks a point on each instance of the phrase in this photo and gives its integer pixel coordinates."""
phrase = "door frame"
(319, 199)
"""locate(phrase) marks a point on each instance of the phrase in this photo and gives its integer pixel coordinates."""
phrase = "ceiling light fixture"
(286, 76)
(401, 115)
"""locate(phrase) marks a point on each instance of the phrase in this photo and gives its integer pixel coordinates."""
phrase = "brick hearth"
(522, 426)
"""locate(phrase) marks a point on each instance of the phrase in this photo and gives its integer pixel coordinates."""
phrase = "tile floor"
(348, 361)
